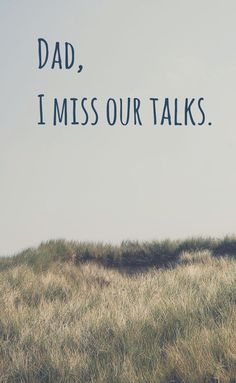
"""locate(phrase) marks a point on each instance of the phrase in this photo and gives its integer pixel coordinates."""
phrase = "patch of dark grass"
(129, 254)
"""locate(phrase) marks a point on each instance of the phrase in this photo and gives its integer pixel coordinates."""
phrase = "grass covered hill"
(129, 254)
(159, 312)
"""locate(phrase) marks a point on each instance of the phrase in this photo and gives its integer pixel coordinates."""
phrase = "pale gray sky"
(103, 183)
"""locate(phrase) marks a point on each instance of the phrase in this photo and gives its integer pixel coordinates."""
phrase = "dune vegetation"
(155, 312)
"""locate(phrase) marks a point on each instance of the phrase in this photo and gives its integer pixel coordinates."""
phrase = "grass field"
(159, 312)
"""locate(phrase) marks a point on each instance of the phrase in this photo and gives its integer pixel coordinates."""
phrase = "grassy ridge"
(66, 320)
(127, 254)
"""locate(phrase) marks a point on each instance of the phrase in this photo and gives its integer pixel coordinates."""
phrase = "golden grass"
(87, 323)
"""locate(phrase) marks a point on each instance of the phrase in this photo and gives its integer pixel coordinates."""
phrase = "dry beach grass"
(86, 322)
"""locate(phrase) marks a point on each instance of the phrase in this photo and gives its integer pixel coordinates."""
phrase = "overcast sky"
(113, 183)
